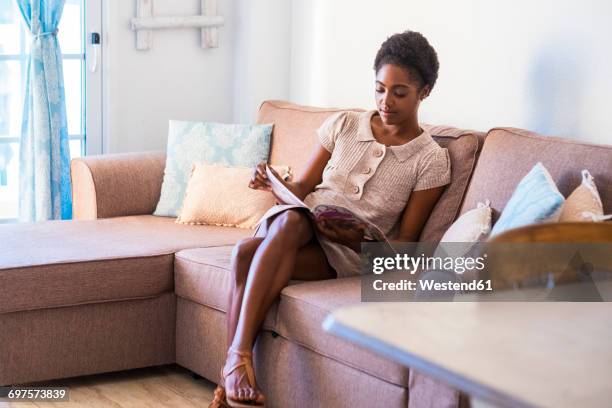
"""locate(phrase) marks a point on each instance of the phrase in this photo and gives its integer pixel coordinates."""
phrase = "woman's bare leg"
(242, 255)
(288, 240)
(309, 258)
(270, 271)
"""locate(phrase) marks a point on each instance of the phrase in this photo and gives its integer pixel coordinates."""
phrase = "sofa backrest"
(294, 137)
(508, 154)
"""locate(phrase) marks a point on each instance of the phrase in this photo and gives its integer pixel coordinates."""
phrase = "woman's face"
(398, 94)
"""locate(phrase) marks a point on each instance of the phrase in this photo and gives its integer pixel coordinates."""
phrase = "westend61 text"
(429, 285)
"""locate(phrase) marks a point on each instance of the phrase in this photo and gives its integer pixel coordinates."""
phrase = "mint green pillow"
(211, 143)
(536, 199)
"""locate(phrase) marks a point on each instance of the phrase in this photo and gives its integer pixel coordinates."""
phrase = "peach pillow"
(584, 204)
(219, 195)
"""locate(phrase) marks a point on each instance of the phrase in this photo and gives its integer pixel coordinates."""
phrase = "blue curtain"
(44, 162)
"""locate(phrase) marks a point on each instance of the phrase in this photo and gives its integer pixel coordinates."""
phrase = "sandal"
(219, 400)
(246, 362)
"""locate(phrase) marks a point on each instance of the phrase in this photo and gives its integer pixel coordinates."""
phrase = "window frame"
(95, 142)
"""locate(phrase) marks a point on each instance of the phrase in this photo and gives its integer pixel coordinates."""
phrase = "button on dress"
(372, 180)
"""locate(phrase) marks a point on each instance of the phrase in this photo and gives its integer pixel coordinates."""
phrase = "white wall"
(542, 65)
(262, 55)
(176, 79)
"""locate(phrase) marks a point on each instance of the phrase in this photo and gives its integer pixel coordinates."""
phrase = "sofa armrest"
(114, 185)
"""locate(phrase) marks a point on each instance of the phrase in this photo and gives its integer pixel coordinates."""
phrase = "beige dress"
(371, 179)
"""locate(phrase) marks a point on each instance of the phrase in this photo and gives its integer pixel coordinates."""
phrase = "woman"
(380, 164)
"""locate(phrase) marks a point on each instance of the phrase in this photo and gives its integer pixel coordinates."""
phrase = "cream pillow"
(584, 204)
(219, 195)
(467, 230)
(471, 226)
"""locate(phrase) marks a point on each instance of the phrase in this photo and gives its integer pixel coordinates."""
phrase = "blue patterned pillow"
(536, 199)
(211, 143)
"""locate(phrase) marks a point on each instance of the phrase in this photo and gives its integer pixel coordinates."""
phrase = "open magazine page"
(281, 191)
(348, 219)
(341, 216)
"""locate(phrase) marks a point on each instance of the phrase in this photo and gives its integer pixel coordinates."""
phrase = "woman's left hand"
(334, 230)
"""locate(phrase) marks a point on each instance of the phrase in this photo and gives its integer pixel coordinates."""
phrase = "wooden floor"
(164, 386)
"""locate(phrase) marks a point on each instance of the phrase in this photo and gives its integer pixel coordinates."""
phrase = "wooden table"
(508, 354)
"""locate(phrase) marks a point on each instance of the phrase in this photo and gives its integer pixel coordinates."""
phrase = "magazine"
(341, 216)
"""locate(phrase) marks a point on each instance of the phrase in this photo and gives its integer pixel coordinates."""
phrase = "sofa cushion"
(220, 195)
(471, 227)
(463, 147)
(294, 137)
(203, 276)
(584, 203)
(508, 154)
(536, 199)
(206, 142)
(61, 263)
(301, 311)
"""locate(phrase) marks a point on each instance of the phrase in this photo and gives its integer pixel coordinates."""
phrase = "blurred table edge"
(481, 395)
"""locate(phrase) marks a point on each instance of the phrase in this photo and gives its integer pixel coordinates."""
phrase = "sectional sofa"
(118, 288)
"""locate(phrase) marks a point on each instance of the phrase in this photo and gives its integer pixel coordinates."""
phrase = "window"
(14, 46)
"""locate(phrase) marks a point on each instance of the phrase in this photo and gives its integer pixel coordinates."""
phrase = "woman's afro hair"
(411, 51)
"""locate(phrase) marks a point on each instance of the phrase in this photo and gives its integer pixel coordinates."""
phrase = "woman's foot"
(239, 379)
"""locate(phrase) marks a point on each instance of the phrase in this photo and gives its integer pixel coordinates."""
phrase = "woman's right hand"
(259, 179)
(350, 235)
